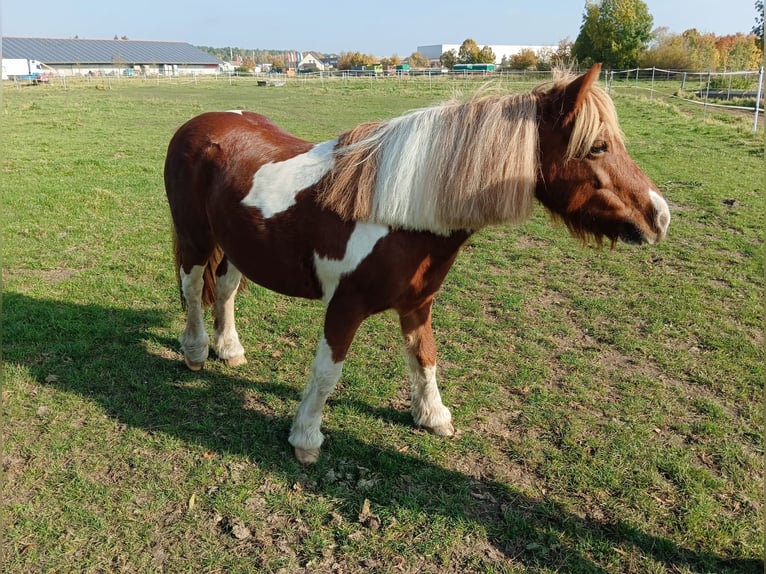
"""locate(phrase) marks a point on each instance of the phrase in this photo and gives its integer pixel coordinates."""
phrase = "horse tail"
(208, 276)
(209, 288)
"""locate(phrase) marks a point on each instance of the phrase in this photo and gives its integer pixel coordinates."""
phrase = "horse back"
(216, 142)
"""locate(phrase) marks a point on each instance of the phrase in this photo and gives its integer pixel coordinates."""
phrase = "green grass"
(609, 403)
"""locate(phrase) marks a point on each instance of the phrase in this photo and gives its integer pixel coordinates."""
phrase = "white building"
(310, 62)
(435, 51)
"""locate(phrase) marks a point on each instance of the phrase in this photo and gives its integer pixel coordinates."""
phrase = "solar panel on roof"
(77, 51)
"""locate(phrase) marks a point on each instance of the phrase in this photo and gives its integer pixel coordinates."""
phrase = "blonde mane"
(459, 165)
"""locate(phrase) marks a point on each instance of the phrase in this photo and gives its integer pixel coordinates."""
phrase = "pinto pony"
(374, 219)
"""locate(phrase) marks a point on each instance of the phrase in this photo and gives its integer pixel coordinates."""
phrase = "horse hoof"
(193, 366)
(236, 361)
(307, 455)
(442, 430)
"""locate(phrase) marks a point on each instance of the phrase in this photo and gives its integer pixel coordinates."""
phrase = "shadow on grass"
(100, 353)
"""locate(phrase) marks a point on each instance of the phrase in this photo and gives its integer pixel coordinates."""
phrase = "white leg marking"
(275, 185)
(305, 433)
(663, 213)
(361, 243)
(226, 339)
(428, 411)
(194, 339)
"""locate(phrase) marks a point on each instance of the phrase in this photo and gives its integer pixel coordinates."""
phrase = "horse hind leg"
(226, 339)
(194, 338)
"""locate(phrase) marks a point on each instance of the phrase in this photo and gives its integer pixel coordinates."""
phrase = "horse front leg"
(226, 339)
(194, 339)
(340, 326)
(426, 402)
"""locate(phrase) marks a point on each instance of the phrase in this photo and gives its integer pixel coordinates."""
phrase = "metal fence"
(731, 92)
(736, 91)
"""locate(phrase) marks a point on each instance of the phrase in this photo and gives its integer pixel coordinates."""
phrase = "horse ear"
(574, 93)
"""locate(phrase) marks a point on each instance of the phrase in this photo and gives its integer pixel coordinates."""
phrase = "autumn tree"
(526, 59)
(486, 56)
(449, 59)
(390, 62)
(667, 50)
(418, 60)
(349, 60)
(614, 32)
(468, 52)
(738, 52)
(703, 55)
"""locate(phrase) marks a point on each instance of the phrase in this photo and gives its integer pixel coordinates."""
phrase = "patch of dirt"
(44, 275)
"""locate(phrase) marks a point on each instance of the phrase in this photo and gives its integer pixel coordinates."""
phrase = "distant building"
(310, 63)
(434, 51)
(330, 61)
(76, 57)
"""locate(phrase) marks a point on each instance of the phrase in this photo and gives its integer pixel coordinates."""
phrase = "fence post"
(758, 100)
(651, 92)
(707, 94)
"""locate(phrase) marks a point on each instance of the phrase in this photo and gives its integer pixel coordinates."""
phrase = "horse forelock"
(459, 165)
(595, 119)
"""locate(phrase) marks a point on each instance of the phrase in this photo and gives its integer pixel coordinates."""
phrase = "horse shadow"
(105, 354)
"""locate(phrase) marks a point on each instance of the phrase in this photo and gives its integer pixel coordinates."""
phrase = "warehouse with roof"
(76, 57)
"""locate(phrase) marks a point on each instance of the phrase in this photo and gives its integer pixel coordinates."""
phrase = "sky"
(379, 28)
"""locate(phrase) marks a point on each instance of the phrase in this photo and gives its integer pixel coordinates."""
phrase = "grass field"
(609, 403)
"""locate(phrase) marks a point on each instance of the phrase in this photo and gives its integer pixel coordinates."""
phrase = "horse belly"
(285, 272)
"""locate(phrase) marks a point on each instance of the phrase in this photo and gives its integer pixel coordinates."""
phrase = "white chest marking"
(361, 243)
(275, 185)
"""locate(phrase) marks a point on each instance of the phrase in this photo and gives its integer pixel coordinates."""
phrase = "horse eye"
(600, 147)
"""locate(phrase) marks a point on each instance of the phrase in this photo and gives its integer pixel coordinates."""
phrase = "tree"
(468, 52)
(667, 50)
(349, 60)
(703, 55)
(449, 59)
(563, 54)
(526, 59)
(486, 56)
(758, 27)
(545, 59)
(614, 32)
(418, 60)
(738, 52)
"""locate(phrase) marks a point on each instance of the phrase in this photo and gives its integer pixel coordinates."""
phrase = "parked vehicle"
(24, 70)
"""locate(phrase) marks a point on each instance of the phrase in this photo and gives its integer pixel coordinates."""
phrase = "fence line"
(749, 85)
(693, 88)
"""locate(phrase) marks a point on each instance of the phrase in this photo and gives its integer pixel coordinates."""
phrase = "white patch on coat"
(361, 243)
(194, 339)
(305, 432)
(235, 112)
(662, 217)
(275, 185)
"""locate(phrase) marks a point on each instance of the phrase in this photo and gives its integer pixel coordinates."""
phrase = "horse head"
(586, 178)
